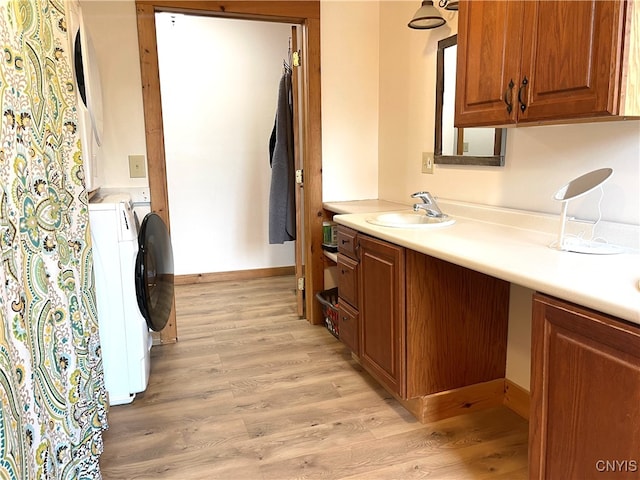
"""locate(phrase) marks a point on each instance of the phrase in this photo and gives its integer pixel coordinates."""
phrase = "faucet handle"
(424, 196)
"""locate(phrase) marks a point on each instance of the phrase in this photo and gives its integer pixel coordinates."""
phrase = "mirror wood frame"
(495, 160)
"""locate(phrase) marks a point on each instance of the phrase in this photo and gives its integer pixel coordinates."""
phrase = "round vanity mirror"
(577, 188)
(583, 184)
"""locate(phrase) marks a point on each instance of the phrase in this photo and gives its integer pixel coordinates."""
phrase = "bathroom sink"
(409, 220)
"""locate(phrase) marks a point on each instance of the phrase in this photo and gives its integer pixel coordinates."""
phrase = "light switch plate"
(427, 162)
(137, 167)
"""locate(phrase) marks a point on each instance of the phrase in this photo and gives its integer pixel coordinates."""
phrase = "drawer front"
(348, 279)
(349, 327)
(347, 242)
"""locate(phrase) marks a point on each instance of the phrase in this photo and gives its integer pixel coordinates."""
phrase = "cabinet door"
(489, 40)
(571, 59)
(585, 385)
(382, 315)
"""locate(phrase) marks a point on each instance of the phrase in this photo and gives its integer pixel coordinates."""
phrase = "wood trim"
(517, 399)
(458, 401)
(297, 162)
(307, 13)
(630, 84)
(460, 142)
(463, 400)
(312, 160)
(487, 161)
(442, 44)
(281, 11)
(233, 275)
(450, 403)
(154, 134)
(497, 143)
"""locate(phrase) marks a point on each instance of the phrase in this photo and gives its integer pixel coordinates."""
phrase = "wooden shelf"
(333, 256)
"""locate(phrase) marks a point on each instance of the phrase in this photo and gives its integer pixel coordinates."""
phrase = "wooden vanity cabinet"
(382, 310)
(546, 61)
(585, 385)
(433, 333)
(348, 288)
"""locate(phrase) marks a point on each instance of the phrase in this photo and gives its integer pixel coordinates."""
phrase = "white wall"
(113, 29)
(350, 65)
(219, 82)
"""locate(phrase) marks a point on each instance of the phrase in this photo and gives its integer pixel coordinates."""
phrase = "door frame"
(307, 15)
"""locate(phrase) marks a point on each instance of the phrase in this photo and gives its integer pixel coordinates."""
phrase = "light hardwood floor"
(252, 392)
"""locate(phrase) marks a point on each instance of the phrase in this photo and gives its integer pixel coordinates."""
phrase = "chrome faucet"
(428, 204)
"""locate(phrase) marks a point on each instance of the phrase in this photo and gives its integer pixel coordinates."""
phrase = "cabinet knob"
(523, 105)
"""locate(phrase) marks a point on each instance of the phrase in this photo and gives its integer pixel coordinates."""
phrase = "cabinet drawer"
(347, 244)
(348, 279)
(349, 328)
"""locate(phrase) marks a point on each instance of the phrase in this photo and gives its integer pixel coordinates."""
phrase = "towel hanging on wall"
(282, 208)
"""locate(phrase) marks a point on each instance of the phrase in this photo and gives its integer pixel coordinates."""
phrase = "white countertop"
(514, 246)
(364, 206)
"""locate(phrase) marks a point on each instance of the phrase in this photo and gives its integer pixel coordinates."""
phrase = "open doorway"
(219, 82)
(307, 15)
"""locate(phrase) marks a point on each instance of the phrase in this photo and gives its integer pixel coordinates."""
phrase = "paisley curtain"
(52, 395)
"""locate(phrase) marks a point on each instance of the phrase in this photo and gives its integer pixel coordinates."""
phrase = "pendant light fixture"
(427, 17)
(449, 4)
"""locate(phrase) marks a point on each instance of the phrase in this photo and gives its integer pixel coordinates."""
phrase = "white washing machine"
(134, 290)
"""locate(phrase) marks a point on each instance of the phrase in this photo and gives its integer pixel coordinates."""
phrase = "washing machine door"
(154, 272)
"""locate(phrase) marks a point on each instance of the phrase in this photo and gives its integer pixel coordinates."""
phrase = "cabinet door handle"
(523, 106)
(508, 96)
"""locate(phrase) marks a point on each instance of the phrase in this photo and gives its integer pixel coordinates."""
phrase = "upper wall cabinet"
(547, 61)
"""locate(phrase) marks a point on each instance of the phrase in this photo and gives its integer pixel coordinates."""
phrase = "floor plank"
(250, 391)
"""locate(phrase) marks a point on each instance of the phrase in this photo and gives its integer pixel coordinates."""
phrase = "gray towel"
(282, 207)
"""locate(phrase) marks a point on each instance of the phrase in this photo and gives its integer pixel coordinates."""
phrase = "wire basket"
(329, 301)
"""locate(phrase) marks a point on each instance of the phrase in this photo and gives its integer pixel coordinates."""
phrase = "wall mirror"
(458, 146)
